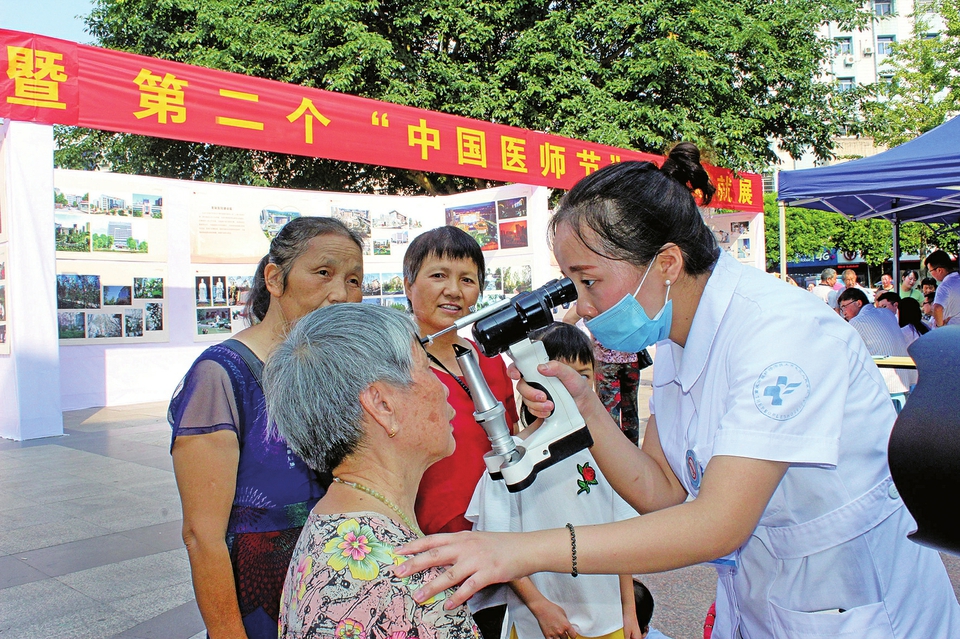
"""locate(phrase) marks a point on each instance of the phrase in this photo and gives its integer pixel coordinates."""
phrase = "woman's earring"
(392, 434)
(667, 282)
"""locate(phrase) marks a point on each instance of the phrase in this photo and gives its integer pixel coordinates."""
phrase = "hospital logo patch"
(781, 391)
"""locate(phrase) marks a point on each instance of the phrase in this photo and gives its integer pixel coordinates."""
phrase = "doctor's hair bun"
(683, 165)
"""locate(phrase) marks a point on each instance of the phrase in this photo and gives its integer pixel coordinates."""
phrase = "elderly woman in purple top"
(245, 494)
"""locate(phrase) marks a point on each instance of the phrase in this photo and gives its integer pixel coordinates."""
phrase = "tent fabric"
(916, 181)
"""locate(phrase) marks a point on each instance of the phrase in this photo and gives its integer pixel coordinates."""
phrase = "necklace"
(447, 371)
(386, 502)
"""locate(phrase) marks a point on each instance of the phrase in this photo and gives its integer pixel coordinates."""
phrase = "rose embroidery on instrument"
(589, 476)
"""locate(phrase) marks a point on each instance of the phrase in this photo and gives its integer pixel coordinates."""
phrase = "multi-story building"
(109, 203)
(121, 232)
(861, 58)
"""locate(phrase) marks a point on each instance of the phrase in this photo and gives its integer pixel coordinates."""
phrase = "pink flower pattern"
(337, 586)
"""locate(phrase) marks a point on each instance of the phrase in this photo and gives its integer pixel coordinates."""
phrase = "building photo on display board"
(741, 235)
(478, 220)
(106, 216)
(512, 208)
(220, 296)
(109, 302)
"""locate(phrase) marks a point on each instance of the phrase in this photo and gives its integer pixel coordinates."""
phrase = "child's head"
(644, 603)
(567, 344)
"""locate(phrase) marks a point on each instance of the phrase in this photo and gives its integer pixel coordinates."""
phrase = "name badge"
(694, 470)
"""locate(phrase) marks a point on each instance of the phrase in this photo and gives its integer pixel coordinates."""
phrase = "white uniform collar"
(685, 365)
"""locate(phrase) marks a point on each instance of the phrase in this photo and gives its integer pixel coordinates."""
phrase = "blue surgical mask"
(626, 327)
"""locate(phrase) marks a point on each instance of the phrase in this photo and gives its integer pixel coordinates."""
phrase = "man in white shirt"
(946, 304)
(850, 281)
(881, 333)
(824, 289)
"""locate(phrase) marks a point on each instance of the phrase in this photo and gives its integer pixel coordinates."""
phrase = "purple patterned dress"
(275, 488)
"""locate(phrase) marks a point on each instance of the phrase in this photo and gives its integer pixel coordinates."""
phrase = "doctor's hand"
(473, 559)
(580, 389)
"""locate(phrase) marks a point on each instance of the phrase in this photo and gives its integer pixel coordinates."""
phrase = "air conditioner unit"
(848, 60)
(868, 51)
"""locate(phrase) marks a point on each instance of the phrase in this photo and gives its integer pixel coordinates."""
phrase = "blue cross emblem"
(780, 388)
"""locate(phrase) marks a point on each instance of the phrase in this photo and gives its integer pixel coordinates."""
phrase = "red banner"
(58, 82)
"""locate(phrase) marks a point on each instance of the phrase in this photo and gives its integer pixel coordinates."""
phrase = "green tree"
(809, 232)
(727, 74)
(924, 88)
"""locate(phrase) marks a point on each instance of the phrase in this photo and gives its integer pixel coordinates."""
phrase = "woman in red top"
(443, 273)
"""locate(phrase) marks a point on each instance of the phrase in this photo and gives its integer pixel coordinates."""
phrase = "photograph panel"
(71, 325)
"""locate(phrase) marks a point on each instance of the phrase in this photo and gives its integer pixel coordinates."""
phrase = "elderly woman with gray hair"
(352, 392)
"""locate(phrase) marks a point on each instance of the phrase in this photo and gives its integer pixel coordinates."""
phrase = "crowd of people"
(891, 318)
(323, 453)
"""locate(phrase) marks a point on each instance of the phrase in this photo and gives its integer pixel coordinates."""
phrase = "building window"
(931, 36)
(845, 84)
(925, 6)
(882, 8)
(885, 44)
(769, 182)
(844, 46)
(885, 82)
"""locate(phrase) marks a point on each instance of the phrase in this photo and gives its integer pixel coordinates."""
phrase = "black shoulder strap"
(252, 361)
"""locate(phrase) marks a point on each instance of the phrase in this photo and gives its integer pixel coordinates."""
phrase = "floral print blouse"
(336, 586)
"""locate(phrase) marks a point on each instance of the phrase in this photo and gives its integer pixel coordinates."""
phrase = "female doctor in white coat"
(767, 410)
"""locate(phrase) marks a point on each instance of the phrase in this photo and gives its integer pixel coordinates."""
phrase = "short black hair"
(628, 211)
(928, 281)
(939, 259)
(643, 600)
(443, 242)
(889, 296)
(566, 342)
(853, 294)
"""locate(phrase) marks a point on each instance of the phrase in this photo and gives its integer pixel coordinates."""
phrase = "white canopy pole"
(783, 241)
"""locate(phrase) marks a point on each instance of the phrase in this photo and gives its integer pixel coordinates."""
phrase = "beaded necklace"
(386, 502)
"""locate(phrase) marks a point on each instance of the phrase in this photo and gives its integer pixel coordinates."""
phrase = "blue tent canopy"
(916, 181)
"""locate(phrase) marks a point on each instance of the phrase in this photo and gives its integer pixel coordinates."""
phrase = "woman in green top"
(909, 288)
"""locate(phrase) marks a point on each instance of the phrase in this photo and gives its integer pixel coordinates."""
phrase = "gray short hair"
(826, 274)
(314, 379)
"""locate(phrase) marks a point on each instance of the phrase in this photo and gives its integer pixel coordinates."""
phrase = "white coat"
(770, 372)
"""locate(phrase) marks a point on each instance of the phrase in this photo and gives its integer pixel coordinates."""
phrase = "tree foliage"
(810, 232)
(925, 86)
(730, 75)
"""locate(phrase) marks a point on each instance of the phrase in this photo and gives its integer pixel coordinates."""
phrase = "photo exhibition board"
(741, 235)
(4, 300)
(116, 220)
(110, 302)
(5, 336)
(231, 228)
(4, 214)
(114, 277)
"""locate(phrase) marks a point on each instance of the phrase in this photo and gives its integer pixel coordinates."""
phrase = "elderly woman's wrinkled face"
(443, 292)
(427, 414)
(330, 271)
